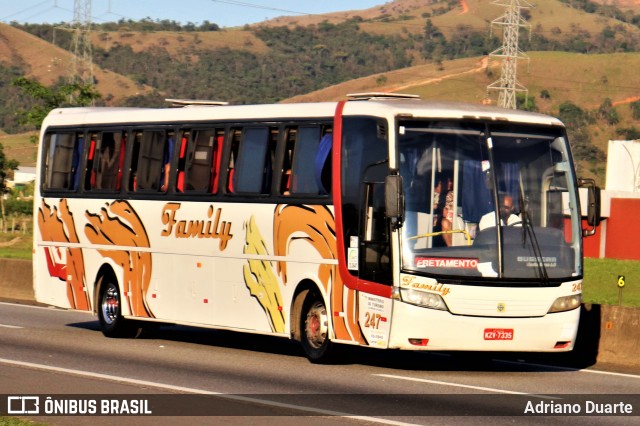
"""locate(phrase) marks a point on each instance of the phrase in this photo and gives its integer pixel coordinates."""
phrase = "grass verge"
(15, 245)
(16, 421)
(601, 281)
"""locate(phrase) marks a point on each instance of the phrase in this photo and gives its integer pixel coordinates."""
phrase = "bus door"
(364, 168)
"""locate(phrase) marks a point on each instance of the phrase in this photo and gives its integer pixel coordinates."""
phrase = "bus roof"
(389, 108)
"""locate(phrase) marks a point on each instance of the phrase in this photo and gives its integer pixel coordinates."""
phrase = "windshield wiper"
(527, 229)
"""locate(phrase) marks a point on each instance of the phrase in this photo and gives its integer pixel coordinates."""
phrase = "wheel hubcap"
(110, 305)
(316, 326)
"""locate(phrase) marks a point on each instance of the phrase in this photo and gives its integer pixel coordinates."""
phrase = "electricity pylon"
(511, 21)
(81, 61)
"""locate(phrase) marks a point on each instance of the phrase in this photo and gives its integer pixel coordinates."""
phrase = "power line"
(230, 2)
(258, 6)
(40, 13)
(29, 9)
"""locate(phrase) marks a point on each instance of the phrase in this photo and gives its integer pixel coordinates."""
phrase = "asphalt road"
(236, 378)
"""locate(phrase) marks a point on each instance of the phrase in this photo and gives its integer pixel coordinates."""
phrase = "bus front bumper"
(418, 328)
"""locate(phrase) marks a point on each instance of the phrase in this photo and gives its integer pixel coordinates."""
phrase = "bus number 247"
(373, 320)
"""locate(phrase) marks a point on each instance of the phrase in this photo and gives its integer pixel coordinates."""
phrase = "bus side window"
(303, 179)
(63, 154)
(253, 152)
(109, 159)
(200, 155)
(154, 151)
(322, 165)
(103, 161)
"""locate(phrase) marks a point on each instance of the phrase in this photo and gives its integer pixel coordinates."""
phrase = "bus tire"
(314, 329)
(112, 323)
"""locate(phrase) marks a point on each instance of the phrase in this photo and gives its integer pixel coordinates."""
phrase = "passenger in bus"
(166, 167)
(443, 210)
(507, 217)
(322, 170)
(75, 161)
(442, 189)
(106, 172)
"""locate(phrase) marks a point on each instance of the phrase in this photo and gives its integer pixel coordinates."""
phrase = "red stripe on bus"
(349, 280)
(56, 270)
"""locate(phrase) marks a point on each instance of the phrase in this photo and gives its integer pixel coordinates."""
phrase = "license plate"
(498, 334)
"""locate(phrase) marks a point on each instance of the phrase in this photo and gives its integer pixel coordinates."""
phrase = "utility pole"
(511, 21)
(81, 63)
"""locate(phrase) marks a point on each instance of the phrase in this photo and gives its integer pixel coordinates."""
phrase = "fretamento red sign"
(443, 262)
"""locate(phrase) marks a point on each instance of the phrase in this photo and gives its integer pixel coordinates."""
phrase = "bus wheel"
(112, 323)
(314, 324)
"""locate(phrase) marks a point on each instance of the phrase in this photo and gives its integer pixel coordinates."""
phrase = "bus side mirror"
(394, 198)
(593, 205)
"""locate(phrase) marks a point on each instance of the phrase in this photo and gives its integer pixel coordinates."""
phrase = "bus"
(369, 221)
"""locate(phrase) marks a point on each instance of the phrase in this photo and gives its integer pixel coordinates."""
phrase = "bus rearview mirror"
(393, 197)
(593, 205)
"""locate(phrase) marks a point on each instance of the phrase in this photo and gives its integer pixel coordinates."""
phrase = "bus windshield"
(456, 173)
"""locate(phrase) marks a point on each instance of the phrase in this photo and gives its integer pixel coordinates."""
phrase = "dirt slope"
(46, 63)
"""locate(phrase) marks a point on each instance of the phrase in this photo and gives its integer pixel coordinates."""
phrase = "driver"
(506, 215)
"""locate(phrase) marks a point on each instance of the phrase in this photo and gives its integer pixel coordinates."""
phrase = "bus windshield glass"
(456, 173)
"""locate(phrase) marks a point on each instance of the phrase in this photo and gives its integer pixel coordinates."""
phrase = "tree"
(608, 113)
(628, 133)
(577, 122)
(48, 98)
(434, 41)
(572, 115)
(635, 110)
(6, 166)
(526, 103)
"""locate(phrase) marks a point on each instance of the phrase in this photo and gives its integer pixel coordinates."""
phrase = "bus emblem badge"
(501, 307)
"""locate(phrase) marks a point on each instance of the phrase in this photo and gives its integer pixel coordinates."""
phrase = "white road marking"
(164, 386)
(460, 385)
(584, 370)
(9, 326)
(33, 306)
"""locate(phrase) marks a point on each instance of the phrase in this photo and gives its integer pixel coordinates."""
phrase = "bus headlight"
(566, 303)
(421, 298)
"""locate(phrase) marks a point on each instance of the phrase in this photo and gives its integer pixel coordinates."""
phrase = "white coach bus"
(370, 221)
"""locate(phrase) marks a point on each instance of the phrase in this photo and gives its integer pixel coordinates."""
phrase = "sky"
(225, 13)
